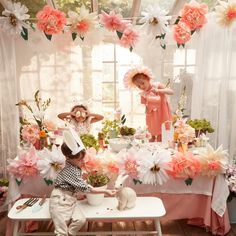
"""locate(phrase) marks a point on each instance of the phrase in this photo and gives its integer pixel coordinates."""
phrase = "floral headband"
(129, 75)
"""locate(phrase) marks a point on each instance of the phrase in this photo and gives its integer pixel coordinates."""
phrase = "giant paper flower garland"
(191, 18)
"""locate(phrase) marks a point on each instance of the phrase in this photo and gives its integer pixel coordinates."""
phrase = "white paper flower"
(51, 162)
(39, 114)
(153, 166)
(82, 23)
(155, 20)
(14, 17)
(226, 12)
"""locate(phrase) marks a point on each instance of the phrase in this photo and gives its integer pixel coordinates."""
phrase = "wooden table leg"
(16, 228)
(158, 227)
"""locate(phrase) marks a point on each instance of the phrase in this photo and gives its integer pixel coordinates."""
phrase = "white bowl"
(117, 144)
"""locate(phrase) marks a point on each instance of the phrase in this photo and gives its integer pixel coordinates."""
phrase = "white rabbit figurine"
(126, 196)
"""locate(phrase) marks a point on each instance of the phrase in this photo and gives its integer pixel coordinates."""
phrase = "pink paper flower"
(25, 166)
(113, 21)
(91, 163)
(193, 15)
(50, 20)
(129, 38)
(182, 33)
(49, 125)
(30, 133)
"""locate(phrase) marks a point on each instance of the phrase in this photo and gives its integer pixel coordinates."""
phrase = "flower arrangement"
(230, 177)
(201, 126)
(35, 133)
(3, 190)
(192, 17)
(90, 141)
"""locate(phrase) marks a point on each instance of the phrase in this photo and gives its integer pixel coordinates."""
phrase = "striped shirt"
(69, 179)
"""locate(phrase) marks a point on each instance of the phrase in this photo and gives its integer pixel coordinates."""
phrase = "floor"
(169, 228)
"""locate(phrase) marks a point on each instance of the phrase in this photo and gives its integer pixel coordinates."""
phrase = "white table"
(144, 209)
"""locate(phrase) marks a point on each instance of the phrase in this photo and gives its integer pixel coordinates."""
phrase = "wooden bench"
(146, 208)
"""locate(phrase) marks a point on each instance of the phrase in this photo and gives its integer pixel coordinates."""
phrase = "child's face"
(142, 82)
(81, 114)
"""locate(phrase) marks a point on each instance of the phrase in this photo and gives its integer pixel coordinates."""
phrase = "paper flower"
(184, 132)
(30, 133)
(49, 125)
(193, 15)
(50, 20)
(153, 167)
(226, 12)
(213, 161)
(82, 23)
(129, 38)
(128, 83)
(155, 20)
(182, 33)
(14, 18)
(25, 165)
(184, 165)
(113, 21)
(51, 162)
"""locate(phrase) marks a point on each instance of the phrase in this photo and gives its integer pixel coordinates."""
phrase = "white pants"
(65, 212)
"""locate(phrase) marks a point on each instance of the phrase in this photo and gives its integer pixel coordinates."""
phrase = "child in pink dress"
(153, 96)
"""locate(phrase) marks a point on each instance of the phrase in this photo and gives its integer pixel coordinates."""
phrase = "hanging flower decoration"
(153, 167)
(51, 162)
(213, 161)
(14, 19)
(25, 166)
(129, 38)
(30, 133)
(51, 21)
(81, 23)
(156, 23)
(226, 12)
(191, 18)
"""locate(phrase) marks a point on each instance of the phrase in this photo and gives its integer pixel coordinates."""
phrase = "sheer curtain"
(8, 97)
(214, 88)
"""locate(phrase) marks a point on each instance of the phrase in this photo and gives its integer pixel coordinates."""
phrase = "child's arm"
(65, 115)
(106, 191)
(95, 117)
(162, 89)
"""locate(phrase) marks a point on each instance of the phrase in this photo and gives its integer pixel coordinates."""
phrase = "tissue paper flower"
(182, 33)
(25, 165)
(30, 133)
(193, 15)
(82, 23)
(14, 18)
(226, 12)
(113, 21)
(155, 20)
(153, 167)
(50, 20)
(51, 162)
(213, 161)
(129, 38)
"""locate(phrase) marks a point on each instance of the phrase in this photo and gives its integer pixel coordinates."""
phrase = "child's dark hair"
(138, 75)
(79, 106)
(67, 152)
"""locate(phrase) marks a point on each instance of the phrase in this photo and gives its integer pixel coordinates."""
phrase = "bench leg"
(16, 228)
(158, 227)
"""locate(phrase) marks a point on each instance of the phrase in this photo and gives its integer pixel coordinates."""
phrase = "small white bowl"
(117, 144)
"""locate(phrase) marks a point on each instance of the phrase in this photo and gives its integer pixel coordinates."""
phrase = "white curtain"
(8, 97)
(214, 89)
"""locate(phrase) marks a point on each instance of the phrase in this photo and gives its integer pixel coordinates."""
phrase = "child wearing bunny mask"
(153, 96)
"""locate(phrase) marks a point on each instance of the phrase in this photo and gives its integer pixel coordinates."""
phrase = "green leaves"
(48, 181)
(97, 180)
(119, 34)
(24, 33)
(123, 120)
(18, 181)
(74, 35)
(137, 181)
(188, 181)
(48, 36)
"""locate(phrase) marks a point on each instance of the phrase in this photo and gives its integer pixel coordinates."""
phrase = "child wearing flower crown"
(62, 205)
(81, 118)
(153, 96)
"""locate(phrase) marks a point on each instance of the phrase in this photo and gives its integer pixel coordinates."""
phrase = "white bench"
(146, 208)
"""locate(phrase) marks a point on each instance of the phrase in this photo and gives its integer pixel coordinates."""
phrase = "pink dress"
(157, 109)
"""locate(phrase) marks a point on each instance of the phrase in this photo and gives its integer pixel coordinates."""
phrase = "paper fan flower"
(153, 167)
(14, 18)
(129, 38)
(82, 23)
(155, 20)
(213, 161)
(128, 83)
(226, 12)
(51, 162)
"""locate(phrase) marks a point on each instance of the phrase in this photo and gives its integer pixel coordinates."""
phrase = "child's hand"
(111, 193)
(80, 196)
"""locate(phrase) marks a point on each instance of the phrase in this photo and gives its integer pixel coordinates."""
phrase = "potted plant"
(89, 141)
(201, 126)
(230, 177)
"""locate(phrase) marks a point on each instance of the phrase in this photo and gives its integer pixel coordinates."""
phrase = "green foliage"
(4, 182)
(101, 136)
(202, 125)
(110, 125)
(97, 180)
(89, 141)
(125, 130)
